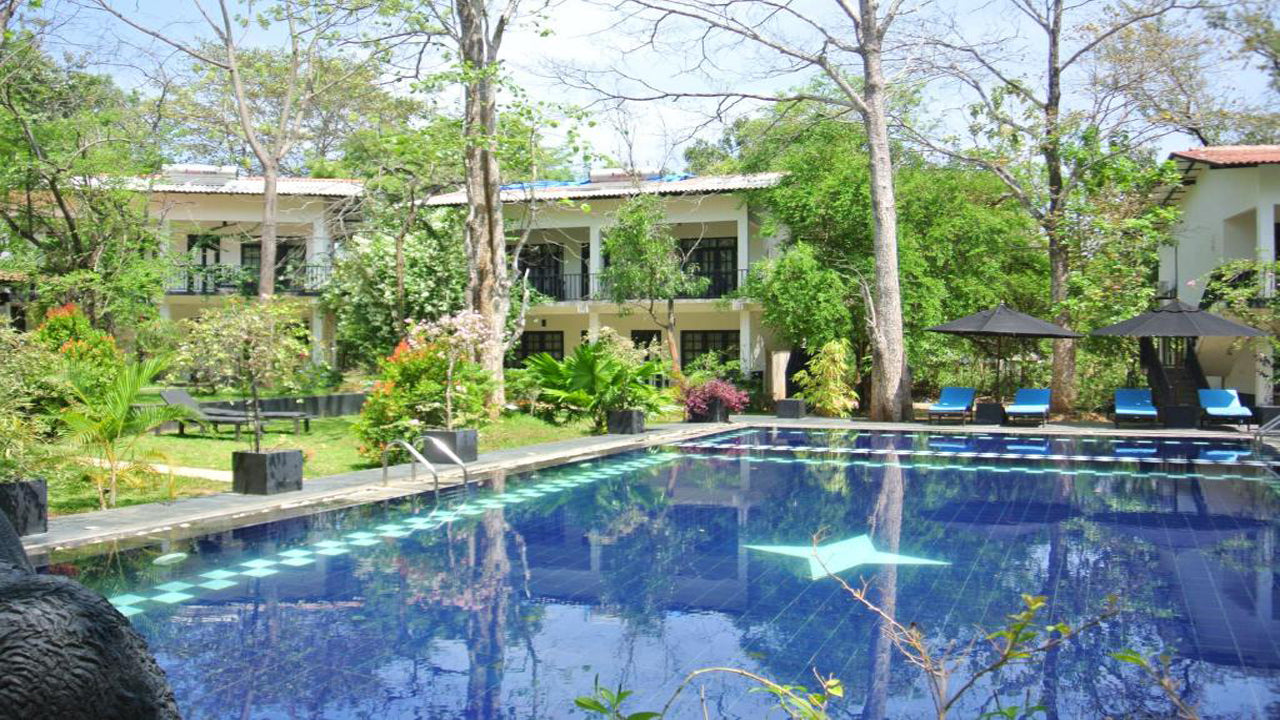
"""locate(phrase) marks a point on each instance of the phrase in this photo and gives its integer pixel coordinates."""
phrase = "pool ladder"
(416, 458)
(1270, 427)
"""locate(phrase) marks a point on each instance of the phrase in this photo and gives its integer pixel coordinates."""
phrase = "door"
(715, 259)
(204, 253)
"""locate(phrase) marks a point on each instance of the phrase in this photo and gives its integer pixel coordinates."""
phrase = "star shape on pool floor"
(839, 556)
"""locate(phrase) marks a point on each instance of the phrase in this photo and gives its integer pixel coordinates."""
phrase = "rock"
(66, 653)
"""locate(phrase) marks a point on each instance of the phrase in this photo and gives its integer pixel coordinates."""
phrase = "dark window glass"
(645, 337)
(533, 342)
(542, 262)
(715, 259)
(697, 342)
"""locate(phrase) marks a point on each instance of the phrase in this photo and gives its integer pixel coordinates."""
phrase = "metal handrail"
(449, 453)
(413, 467)
(1270, 427)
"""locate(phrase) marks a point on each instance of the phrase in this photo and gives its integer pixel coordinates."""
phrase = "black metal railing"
(303, 279)
(571, 287)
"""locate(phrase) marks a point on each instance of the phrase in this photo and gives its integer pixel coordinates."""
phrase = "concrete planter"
(266, 473)
(716, 412)
(26, 504)
(625, 422)
(464, 443)
(792, 408)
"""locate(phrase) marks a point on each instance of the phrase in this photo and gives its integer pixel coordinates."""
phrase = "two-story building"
(213, 220)
(713, 220)
(1229, 197)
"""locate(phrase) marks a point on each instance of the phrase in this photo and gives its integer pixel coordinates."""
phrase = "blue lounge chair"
(1029, 405)
(1134, 405)
(1223, 406)
(954, 402)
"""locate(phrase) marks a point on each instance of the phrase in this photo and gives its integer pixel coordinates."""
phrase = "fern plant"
(825, 383)
(107, 421)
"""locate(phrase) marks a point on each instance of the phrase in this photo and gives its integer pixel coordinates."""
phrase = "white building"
(1229, 197)
(711, 216)
(213, 220)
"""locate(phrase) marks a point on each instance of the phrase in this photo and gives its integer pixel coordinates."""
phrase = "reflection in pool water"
(640, 568)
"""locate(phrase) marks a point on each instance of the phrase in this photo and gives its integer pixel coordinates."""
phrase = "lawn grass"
(71, 493)
(330, 447)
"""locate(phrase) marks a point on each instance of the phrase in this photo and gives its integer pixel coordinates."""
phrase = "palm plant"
(108, 421)
(592, 381)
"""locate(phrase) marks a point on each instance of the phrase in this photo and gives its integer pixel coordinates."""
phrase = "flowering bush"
(91, 353)
(428, 382)
(699, 398)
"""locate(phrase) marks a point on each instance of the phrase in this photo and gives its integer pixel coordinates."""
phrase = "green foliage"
(409, 397)
(597, 377)
(246, 344)
(109, 421)
(645, 260)
(71, 146)
(90, 352)
(29, 382)
(805, 301)
(362, 290)
(827, 383)
(608, 703)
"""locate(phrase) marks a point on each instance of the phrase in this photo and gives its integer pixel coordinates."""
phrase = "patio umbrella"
(1178, 319)
(1001, 322)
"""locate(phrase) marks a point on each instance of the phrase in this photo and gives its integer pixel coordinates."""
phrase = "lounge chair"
(1134, 405)
(1029, 405)
(1223, 406)
(182, 397)
(954, 402)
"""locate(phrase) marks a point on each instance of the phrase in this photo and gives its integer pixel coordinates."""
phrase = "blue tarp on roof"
(544, 184)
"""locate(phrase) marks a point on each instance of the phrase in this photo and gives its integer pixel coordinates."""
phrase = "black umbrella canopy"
(1004, 321)
(1178, 319)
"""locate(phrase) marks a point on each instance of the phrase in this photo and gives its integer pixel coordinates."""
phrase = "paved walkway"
(209, 513)
(192, 472)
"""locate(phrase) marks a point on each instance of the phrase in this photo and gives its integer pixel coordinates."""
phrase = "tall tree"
(1256, 23)
(313, 34)
(828, 38)
(71, 147)
(1026, 125)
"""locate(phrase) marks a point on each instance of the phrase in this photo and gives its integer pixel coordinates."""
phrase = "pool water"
(639, 568)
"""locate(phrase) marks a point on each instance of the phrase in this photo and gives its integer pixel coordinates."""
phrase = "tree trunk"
(489, 293)
(886, 526)
(890, 388)
(267, 269)
(1063, 384)
(673, 345)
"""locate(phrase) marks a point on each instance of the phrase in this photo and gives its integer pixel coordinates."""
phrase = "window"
(542, 261)
(715, 259)
(533, 342)
(645, 337)
(698, 342)
(291, 261)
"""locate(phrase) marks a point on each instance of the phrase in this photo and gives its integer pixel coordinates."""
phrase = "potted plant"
(712, 401)
(250, 344)
(607, 380)
(23, 499)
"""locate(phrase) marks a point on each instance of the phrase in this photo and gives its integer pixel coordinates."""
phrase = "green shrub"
(598, 377)
(30, 384)
(826, 382)
(424, 385)
(93, 354)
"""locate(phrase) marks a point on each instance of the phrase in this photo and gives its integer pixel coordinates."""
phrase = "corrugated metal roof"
(313, 187)
(1229, 155)
(706, 185)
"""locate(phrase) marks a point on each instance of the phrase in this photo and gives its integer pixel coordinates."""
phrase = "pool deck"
(161, 522)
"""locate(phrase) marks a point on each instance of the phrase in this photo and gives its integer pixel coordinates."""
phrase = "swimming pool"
(641, 567)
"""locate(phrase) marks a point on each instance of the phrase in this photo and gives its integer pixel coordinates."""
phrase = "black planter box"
(792, 408)
(988, 413)
(716, 412)
(26, 504)
(464, 443)
(626, 422)
(266, 473)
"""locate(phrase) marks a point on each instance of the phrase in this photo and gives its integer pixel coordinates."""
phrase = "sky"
(585, 35)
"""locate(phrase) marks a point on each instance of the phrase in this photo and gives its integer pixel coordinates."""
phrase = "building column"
(318, 244)
(744, 243)
(595, 260)
(746, 343)
(1266, 253)
(319, 335)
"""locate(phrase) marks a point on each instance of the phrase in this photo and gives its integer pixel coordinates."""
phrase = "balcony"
(575, 287)
(307, 279)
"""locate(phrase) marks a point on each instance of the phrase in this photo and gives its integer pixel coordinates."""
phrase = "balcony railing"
(308, 279)
(571, 287)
